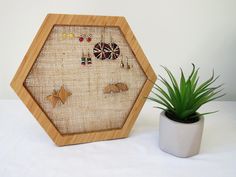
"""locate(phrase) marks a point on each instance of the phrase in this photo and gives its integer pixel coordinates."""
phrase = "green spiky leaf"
(182, 100)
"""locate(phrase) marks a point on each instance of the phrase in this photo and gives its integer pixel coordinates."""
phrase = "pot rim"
(201, 118)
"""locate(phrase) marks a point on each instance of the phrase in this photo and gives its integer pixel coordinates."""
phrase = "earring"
(81, 38)
(71, 35)
(89, 59)
(64, 35)
(114, 50)
(122, 65)
(83, 59)
(127, 63)
(68, 35)
(61, 95)
(53, 98)
(89, 38)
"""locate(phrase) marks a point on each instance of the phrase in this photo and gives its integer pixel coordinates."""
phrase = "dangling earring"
(127, 63)
(114, 50)
(83, 59)
(89, 38)
(89, 59)
(122, 65)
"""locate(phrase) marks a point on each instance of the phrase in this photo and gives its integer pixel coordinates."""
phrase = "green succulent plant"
(180, 101)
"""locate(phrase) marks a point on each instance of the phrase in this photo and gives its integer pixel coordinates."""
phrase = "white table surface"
(27, 151)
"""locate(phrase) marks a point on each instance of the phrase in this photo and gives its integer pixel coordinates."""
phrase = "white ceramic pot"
(180, 139)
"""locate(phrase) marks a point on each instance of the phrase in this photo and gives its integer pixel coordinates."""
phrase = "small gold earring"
(127, 63)
(71, 35)
(122, 65)
(64, 35)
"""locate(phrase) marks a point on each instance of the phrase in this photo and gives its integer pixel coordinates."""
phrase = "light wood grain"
(81, 20)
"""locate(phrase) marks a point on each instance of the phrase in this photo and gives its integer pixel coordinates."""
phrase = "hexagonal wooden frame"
(33, 52)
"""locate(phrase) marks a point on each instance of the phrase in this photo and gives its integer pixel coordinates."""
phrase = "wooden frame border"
(32, 54)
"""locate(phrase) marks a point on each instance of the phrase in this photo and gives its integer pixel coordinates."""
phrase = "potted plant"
(181, 126)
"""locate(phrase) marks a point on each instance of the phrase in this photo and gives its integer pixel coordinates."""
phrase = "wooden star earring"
(53, 98)
(62, 95)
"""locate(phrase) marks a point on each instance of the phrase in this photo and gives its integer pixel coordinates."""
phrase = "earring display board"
(84, 78)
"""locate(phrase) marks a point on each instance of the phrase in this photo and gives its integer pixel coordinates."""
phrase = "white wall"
(173, 33)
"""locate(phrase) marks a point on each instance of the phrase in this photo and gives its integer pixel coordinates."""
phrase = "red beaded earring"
(89, 38)
(81, 38)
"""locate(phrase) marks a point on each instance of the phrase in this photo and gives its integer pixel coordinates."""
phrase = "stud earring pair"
(86, 60)
(84, 36)
(122, 65)
(68, 35)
